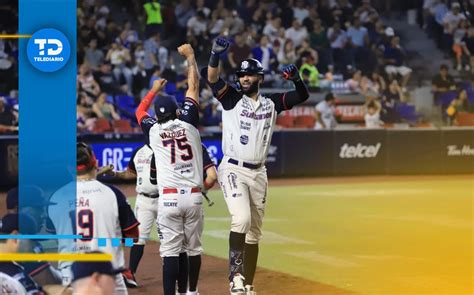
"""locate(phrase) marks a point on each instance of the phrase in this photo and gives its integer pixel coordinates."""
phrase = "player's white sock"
(193, 293)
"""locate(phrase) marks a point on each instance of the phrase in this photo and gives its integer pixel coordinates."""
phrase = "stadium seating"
(285, 121)
(464, 119)
(304, 122)
(102, 125)
(122, 126)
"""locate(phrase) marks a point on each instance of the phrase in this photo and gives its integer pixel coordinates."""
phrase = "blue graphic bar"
(128, 242)
(102, 242)
(115, 242)
(47, 135)
(40, 237)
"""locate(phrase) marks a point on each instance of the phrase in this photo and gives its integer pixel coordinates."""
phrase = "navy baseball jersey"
(17, 272)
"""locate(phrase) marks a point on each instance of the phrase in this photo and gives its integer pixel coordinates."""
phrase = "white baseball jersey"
(99, 211)
(327, 115)
(177, 148)
(248, 125)
(141, 165)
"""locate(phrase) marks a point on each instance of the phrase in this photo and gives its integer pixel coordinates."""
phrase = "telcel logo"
(48, 50)
(359, 151)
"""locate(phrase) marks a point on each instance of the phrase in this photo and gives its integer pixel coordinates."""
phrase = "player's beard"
(252, 89)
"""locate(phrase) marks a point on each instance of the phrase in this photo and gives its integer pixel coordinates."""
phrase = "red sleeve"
(144, 105)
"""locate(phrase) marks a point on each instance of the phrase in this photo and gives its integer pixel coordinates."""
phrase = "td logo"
(48, 50)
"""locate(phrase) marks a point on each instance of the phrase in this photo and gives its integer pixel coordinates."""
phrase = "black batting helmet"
(250, 66)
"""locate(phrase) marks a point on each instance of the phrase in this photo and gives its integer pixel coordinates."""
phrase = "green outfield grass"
(394, 237)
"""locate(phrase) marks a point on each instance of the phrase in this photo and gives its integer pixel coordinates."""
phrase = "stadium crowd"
(340, 46)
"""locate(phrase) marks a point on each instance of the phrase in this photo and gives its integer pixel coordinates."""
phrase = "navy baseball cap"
(10, 223)
(35, 197)
(84, 269)
(165, 105)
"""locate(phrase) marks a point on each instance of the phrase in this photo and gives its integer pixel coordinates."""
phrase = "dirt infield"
(213, 279)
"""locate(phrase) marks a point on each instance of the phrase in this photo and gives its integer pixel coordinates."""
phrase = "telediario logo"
(48, 50)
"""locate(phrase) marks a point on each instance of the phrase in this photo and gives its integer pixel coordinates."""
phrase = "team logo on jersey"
(244, 139)
(48, 50)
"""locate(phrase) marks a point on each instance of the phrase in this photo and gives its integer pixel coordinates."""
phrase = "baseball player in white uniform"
(99, 211)
(325, 113)
(176, 143)
(142, 168)
(146, 205)
(248, 120)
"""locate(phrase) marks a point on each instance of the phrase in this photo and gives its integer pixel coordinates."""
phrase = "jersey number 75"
(182, 144)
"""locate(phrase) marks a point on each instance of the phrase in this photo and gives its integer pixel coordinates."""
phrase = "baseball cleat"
(237, 285)
(249, 290)
(129, 279)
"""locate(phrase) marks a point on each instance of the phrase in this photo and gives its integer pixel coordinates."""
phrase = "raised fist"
(186, 50)
(290, 72)
(220, 45)
(158, 85)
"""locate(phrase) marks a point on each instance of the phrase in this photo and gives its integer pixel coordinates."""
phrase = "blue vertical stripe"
(47, 136)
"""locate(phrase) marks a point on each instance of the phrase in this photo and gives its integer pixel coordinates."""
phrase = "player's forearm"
(144, 105)
(193, 77)
(125, 175)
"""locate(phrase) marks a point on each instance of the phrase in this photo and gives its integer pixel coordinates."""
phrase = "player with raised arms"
(248, 120)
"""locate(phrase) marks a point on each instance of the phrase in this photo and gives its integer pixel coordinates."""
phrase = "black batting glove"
(219, 46)
(290, 72)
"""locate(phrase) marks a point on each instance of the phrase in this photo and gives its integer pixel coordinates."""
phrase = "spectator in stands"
(318, 40)
(234, 23)
(93, 56)
(338, 40)
(459, 35)
(154, 19)
(86, 82)
(379, 84)
(106, 80)
(264, 54)
(238, 51)
(201, 6)
(365, 11)
(300, 11)
(372, 115)
(343, 11)
(104, 109)
(85, 116)
(390, 98)
(197, 30)
(8, 122)
(358, 41)
(309, 73)
(442, 82)
(271, 28)
(183, 12)
(394, 91)
(296, 33)
(305, 49)
(325, 113)
(287, 54)
(450, 23)
(468, 47)
(155, 76)
(394, 62)
(459, 104)
(119, 57)
(354, 83)
(155, 54)
(217, 24)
